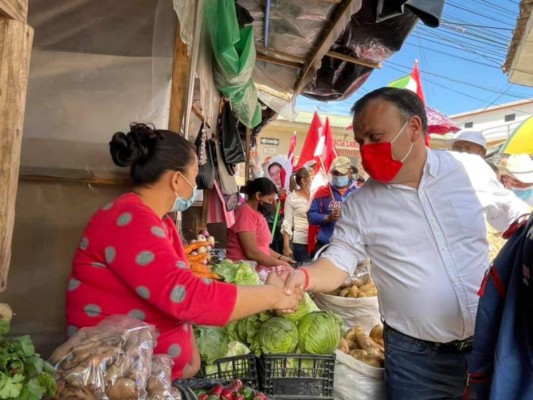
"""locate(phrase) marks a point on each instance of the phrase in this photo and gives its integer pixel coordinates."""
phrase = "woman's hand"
(287, 260)
(284, 301)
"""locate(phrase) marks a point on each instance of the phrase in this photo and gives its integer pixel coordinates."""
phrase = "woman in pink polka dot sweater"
(130, 260)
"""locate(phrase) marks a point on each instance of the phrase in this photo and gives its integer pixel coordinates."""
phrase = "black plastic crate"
(297, 376)
(231, 368)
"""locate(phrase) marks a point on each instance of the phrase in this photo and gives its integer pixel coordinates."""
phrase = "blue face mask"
(340, 181)
(182, 204)
(526, 195)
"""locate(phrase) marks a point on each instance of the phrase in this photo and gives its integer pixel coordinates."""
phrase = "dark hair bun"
(133, 147)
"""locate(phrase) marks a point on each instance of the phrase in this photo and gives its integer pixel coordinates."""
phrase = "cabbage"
(226, 269)
(234, 349)
(306, 306)
(248, 328)
(246, 275)
(212, 343)
(240, 273)
(278, 336)
(319, 333)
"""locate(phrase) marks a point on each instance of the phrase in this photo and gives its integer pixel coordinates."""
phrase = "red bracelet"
(307, 280)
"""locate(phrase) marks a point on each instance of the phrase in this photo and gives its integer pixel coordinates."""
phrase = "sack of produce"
(359, 373)
(110, 361)
(355, 380)
(356, 303)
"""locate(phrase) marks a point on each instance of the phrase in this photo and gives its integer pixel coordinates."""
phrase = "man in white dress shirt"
(420, 219)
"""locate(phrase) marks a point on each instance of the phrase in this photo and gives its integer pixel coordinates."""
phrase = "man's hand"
(287, 252)
(287, 302)
(294, 281)
(334, 216)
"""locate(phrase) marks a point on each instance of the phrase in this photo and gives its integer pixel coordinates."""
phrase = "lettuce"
(306, 306)
(278, 336)
(319, 333)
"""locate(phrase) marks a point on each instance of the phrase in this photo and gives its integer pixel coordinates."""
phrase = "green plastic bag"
(234, 52)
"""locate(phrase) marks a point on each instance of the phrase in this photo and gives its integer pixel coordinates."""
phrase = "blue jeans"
(417, 370)
(299, 251)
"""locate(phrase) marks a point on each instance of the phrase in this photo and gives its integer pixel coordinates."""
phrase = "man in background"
(517, 176)
(472, 142)
(325, 208)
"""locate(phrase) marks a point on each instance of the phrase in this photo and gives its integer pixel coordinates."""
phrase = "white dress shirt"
(428, 245)
(295, 218)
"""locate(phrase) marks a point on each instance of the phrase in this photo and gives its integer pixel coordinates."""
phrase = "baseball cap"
(472, 137)
(341, 165)
(520, 167)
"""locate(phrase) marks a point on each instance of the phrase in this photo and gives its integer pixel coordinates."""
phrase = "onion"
(204, 261)
(208, 247)
(193, 241)
(202, 250)
(205, 233)
(194, 253)
(211, 239)
(201, 238)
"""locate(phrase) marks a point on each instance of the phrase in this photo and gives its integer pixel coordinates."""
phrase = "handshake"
(289, 288)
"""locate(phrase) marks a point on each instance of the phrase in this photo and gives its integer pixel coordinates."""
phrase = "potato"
(352, 344)
(350, 335)
(376, 333)
(344, 346)
(361, 295)
(359, 354)
(373, 362)
(344, 292)
(357, 282)
(353, 292)
(123, 389)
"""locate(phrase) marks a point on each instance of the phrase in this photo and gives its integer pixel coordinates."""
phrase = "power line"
(449, 79)
(477, 13)
(456, 56)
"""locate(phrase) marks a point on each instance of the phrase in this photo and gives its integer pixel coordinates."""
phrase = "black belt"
(457, 346)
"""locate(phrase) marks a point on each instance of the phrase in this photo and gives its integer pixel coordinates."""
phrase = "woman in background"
(295, 225)
(249, 238)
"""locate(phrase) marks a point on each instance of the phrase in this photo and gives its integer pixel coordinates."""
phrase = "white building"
(496, 122)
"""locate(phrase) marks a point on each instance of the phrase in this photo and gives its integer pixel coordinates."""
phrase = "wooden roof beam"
(323, 45)
(14, 9)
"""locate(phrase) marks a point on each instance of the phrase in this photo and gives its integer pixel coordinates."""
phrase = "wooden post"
(15, 50)
(180, 82)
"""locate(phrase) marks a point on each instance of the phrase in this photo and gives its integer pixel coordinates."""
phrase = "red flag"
(311, 142)
(415, 75)
(288, 166)
(330, 152)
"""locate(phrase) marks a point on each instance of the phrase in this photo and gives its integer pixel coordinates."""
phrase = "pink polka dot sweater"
(130, 262)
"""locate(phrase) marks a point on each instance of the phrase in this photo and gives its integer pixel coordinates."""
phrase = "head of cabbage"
(278, 336)
(306, 306)
(212, 343)
(319, 333)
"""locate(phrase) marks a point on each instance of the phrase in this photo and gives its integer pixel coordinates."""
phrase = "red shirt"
(130, 262)
(248, 220)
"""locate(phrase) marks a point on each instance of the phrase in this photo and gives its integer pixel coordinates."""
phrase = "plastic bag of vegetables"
(110, 361)
(319, 333)
(278, 336)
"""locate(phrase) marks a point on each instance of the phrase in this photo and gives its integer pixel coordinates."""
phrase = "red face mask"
(378, 160)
